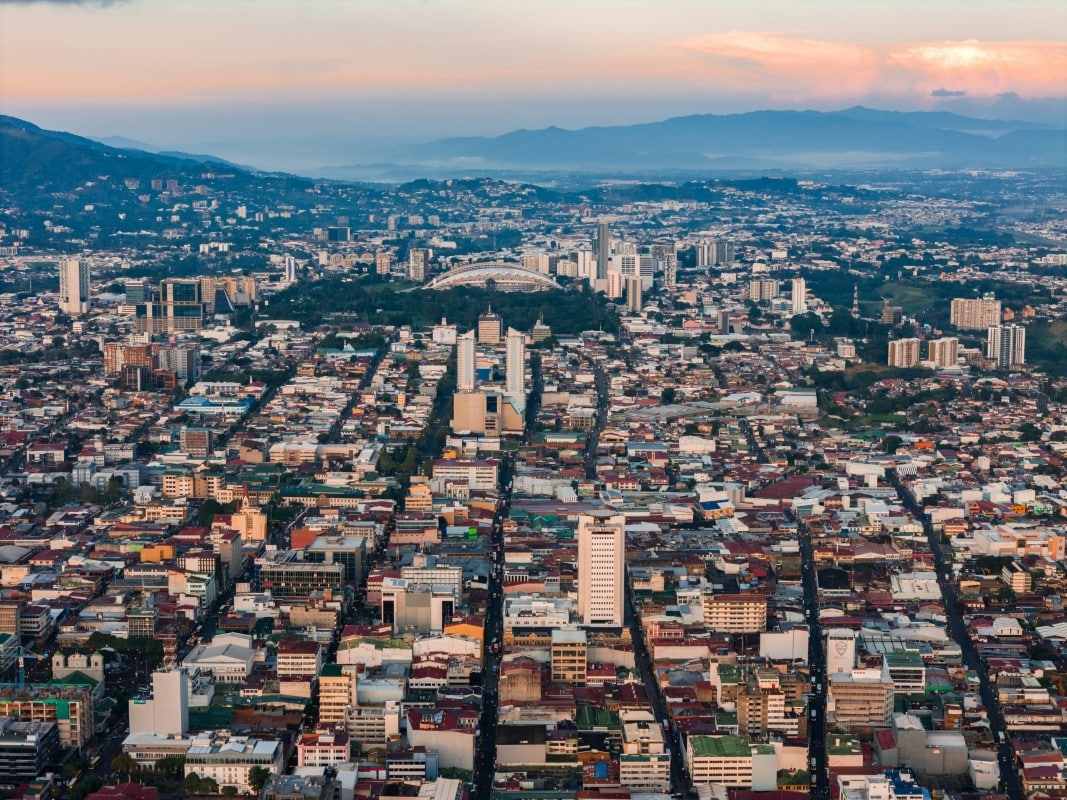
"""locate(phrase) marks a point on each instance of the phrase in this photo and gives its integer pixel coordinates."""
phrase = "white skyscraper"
(601, 547)
(166, 713)
(516, 367)
(800, 296)
(465, 362)
(74, 286)
(290, 269)
(1006, 345)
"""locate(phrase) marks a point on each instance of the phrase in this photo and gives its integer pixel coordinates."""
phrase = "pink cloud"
(771, 59)
(786, 64)
(985, 67)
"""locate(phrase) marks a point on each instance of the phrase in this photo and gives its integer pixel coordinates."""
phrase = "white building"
(228, 657)
(227, 759)
(465, 362)
(1006, 345)
(601, 547)
(74, 287)
(840, 651)
(799, 296)
(166, 711)
(516, 368)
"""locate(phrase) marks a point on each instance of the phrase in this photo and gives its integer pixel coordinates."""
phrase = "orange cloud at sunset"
(776, 61)
(986, 67)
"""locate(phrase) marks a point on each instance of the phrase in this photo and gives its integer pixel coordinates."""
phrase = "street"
(957, 629)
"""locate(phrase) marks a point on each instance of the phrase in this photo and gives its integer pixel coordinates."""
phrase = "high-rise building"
(180, 308)
(634, 302)
(137, 292)
(601, 547)
(418, 261)
(799, 296)
(723, 252)
(183, 360)
(1006, 345)
(603, 251)
(944, 352)
(166, 711)
(74, 287)
(490, 328)
(383, 263)
(465, 362)
(975, 314)
(515, 367)
(891, 315)
(904, 353)
(762, 289)
(290, 270)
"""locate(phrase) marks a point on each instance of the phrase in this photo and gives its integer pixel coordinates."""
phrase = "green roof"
(903, 658)
(589, 718)
(728, 673)
(719, 747)
(840, 745)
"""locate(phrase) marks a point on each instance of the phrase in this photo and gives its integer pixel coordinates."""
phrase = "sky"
(298, 84)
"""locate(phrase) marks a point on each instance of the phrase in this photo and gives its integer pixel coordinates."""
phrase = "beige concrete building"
(601, 546)
(735, 613)
(570, 656)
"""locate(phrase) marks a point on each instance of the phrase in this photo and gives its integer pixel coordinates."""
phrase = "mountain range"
(34, 160)
(853, 138)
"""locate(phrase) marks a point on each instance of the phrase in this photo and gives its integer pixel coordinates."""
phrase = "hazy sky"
(290, 83)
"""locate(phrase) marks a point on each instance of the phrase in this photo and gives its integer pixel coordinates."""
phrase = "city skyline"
(244, 86)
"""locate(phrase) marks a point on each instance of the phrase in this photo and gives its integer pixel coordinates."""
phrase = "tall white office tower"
(166, 712)
(465, 362)
(290, 270)
(800, 296)
(516, 367)
(603, 251)
(74, 286)
(601, 547)
(840, 651)
(1006, 345)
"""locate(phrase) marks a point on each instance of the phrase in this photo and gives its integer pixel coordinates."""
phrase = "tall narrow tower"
(603, 251)
(601, 547)
(516, 367)
(74, 287)
(465, 362)
(855, 301)
(799, 296)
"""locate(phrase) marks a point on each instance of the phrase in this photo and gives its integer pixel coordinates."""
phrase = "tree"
(1029, 432)
(124, 763)
(191, 784)
(229, 791)
(257, 778)
(667, 396)
(86, 786)
(891, 444)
